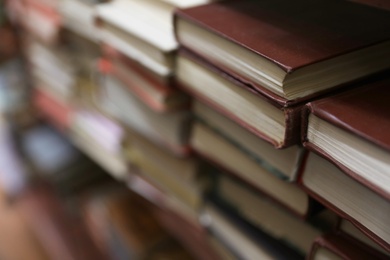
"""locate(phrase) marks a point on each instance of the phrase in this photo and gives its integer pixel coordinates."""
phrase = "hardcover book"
(154, 90)
(260, 114)
(213, 147)
(265, 214)
(335, 246)
(52, 109)
(169, 130)
(288, 50)
(244, 241)
(347, 229)
(355, 202)
(180, 177)
(142, 30)
(352, 130)
(282, 163)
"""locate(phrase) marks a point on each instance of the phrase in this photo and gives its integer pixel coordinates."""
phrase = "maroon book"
(352, 130)
(288, 50)
(351, 200)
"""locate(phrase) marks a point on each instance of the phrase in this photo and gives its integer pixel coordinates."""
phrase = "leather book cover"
(335, 209)
(344, 247)
(292, 34)
(362, 112)
(292, 113)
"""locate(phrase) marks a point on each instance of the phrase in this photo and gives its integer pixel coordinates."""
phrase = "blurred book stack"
(253, 129)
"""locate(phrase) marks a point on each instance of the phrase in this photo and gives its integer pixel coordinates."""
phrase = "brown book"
(263, 116)
(352, 130)
(348, 230)
(288, 50)
(353, 201)
(227, 156)
(335, 246)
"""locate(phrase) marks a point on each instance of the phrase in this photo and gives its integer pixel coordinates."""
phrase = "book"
(352, 131)
(52, 68)
(147, 37)
(287, 50)
(282, 163)
(263, 213)
(269, 120)
(169, 130)
(41, 19)
(230, 158)
(335, 246)
(142, 30)
(193, 237)
(50, 108)
(79, 16)
(347, 229)
(101, 139)
(244, 241)
(164, 199)
(122, 223)
(154, 90)
(181, 177)
(350, 199)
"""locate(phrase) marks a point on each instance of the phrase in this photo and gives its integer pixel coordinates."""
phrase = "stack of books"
(252, 67)
(259, 127)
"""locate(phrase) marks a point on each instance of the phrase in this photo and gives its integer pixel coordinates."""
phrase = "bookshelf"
(192, 115)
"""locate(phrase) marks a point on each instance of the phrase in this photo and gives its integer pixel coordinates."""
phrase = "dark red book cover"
(362, 112)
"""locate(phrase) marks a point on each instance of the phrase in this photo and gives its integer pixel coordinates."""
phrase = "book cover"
(351, 200)
(290, 115)
(288, 38)
(356, 124)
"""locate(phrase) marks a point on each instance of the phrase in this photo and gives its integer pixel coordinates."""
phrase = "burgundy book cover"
(291, 34)
(292, 113)
(345, 248)
(338, 211)
(52, 109)
(363, 112)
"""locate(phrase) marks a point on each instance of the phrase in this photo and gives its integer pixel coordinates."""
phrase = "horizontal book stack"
(252, 79)
(259, 128)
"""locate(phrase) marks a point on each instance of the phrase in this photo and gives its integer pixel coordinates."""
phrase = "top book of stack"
(142, 30)
(288, 51)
